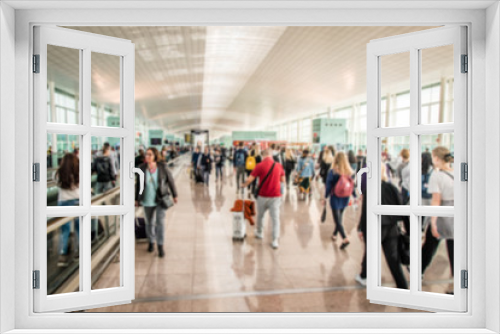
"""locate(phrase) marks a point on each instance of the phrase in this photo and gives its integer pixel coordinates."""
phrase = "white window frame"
(483, 307)
(413, 44)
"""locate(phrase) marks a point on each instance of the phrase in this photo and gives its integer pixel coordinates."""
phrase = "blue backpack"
(240, 158)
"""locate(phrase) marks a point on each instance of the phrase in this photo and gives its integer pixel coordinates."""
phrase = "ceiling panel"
(228, 78)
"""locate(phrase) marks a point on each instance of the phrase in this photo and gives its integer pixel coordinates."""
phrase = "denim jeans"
(273, 205)
(218, 172)
(102, 187)
(66, 228)
(155, 223)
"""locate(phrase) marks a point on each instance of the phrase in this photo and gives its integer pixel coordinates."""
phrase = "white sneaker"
(360, 280)
(275, 244)
(258, 235)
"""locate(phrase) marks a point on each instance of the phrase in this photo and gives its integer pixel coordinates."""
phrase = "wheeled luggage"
(140, 228)
(198, 176)
(239, 223)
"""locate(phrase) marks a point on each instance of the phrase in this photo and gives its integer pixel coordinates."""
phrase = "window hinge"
(36, 279)
(465, 279)
(465, 64)
(464, 171)
(36, 63)
(36, 172)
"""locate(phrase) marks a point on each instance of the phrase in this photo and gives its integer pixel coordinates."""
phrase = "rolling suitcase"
(140, 228)
(239, 224)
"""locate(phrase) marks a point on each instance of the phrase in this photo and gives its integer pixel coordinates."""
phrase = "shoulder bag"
(166, 200)
(257, 189)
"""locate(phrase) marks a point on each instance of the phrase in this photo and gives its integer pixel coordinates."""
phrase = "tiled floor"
(205, 271)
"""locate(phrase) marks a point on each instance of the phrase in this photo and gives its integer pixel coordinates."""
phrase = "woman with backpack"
(159, 194)
(253, 159)
(290, 162)
(339, 187)
(305, 172)
(441, 186)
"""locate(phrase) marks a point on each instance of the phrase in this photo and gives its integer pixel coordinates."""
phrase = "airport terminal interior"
(204, 97)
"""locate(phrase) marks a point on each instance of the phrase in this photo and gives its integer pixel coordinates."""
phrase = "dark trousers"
(390, 236)
(288, 172)
(430, 247)
(337, 219)
(253, 185)
(218, 172)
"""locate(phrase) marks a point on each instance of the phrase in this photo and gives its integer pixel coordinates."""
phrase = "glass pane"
(63, 249)
(63, 80)
(395, 252)
(395, 168)
(437, 254)
(105, 252)
(63, 169)
(105, 181)
(437, 85)
(105, 110)
(437, 168)
(395, 90)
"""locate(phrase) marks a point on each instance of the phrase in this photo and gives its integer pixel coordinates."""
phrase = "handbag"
(257, 189)
(323, 214)
(164, 201)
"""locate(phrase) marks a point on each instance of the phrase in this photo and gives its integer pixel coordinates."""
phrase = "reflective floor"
(205, 271)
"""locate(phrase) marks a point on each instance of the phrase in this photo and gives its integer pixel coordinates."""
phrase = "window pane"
(63, 253)
(394, 259)
(105, 181)
(63, 75)
(395, 78)
(437, 68)
(63, 169)
(437, 254)
(437, 167)
(396, 165)
(106, 88)
(106, 260)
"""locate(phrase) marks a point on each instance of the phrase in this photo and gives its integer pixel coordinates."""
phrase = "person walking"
(271, 175)
(340, 172)
(441, 186)
(325, 163)
(305, 170)
(239, 160)
(194, 162)
(290, 162)
(67, 178)
(159, 192)
(404, 181)
(206, 161)
(219, 164)
(139, 159)
(253, 159)
(105, 168)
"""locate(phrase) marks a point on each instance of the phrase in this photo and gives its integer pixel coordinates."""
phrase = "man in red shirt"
(269, 194)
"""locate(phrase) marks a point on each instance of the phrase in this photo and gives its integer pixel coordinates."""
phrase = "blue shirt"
(336, 203)
(151, 181)
(308, 169)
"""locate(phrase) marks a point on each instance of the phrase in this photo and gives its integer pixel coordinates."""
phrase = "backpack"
(240, 158)
(103, 168)
(250, 164)
(344, 186)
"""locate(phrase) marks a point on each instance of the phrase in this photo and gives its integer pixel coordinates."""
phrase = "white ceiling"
(225, 78)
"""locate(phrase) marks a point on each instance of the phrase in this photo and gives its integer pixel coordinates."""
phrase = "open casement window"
(413, 63)
(86, 67)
